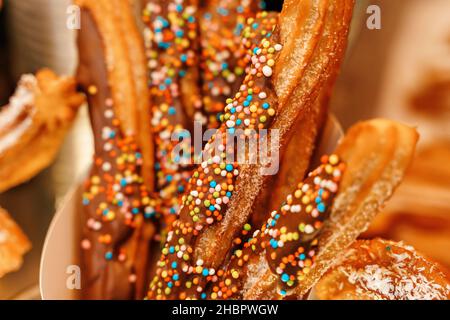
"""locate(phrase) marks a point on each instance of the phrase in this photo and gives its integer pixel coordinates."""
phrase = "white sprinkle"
(267, 71)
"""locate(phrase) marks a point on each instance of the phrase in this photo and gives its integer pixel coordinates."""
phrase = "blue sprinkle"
(229, 167)
(273, 243)
(285, 277)
(174, 265)
(176, 277)
(172, 249)
(321, 207)
(213, 184)
(108, 256)
(205, 272)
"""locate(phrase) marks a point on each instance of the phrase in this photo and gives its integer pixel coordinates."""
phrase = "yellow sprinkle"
(305, 200)
(92, 90)
(334, 159)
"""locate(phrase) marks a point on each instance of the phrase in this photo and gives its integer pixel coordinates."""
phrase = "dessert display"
(215, 173)
(227, 230)
(13, 244)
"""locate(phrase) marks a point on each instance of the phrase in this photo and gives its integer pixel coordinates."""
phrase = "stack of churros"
(239, 223)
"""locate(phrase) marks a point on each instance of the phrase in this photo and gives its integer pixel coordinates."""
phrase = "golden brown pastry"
(33, 125)
(383, 270)
(13, 244)
(289, 68)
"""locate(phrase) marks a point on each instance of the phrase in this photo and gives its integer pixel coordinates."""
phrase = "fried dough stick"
(116, 235)
(33, 125)
(221, 193)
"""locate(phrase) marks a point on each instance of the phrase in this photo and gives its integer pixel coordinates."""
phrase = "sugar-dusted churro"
(35, 123)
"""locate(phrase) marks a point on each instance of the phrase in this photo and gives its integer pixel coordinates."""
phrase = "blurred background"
(401, 71)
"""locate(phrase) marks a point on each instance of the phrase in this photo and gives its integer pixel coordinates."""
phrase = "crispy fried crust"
(383, 270)
(35, 123)
(13, 244)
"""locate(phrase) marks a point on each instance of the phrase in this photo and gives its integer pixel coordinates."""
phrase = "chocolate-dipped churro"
(117, 205)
